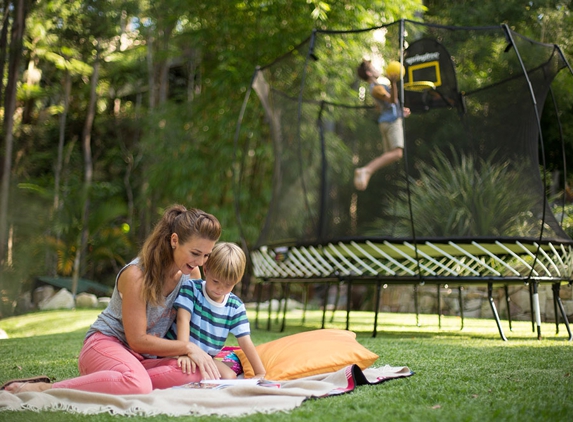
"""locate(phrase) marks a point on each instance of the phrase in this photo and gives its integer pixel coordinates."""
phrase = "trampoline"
(466, 205)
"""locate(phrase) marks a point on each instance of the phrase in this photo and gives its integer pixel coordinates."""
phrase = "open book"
(224, 383)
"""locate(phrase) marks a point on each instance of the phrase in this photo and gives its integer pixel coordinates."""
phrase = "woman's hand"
(202, 361)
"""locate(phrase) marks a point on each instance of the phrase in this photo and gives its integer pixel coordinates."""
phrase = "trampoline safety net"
(467, 200)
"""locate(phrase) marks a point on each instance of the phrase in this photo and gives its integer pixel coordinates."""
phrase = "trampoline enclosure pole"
(536, 309)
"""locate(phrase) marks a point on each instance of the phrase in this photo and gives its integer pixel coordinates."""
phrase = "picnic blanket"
(237, 400)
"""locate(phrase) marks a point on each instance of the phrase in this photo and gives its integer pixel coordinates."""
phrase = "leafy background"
(155, 91)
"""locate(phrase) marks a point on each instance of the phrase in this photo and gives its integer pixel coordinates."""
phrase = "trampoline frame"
(439, 262)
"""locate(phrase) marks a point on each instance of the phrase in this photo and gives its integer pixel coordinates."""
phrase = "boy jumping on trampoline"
(207, 311)
(389, 122)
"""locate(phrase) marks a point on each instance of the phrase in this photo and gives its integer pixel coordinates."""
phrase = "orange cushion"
(309, 353)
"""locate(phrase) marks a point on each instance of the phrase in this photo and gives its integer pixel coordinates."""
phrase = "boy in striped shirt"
(207, 311)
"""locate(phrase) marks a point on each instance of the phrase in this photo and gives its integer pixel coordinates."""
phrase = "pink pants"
(107, 366)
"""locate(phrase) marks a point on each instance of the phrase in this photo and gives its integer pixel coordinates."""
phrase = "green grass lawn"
(461, 375)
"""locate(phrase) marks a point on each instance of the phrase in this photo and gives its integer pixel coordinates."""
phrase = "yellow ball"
(394, 68)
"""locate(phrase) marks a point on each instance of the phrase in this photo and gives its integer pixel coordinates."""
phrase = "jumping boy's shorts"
(392, 134)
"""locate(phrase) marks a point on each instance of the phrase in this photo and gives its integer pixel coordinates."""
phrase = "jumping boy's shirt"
(211, 322)
(389, 112)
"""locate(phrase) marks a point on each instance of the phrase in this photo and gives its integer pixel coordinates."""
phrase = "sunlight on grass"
(408, 324)
(63, 321)
(49, 322)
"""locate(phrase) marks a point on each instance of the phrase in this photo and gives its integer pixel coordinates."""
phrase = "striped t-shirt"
(211, 322)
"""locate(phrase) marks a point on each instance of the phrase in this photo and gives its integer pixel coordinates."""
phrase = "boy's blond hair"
(226, 262)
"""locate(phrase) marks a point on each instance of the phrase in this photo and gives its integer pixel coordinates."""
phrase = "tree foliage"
(173, 76)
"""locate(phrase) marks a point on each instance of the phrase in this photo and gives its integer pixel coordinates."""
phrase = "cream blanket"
(237, 400)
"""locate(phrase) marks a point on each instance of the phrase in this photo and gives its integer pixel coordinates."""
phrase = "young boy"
(389, 122)
(207, 311)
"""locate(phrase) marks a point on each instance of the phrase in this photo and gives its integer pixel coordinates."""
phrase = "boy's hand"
(184, 362)
(393, 78)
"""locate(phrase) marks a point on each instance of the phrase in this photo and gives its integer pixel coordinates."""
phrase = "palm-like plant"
(470, 196)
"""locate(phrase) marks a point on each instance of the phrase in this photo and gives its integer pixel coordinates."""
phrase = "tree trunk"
(3, 42)
(61, 141)
(143, 217)
(9, 108)
(131, 162)
(163, 81)
(164, 66)
(88, 169)
(52, 260)
(194, 76)
(150, 72)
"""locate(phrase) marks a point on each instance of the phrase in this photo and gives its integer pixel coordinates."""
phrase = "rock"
(275, 305)
(568, 306)
(566, 293)
(86, 300)
(473, 307)
(103, 301)
(550, 310)
(405, 299)
(42, 293)
(61, 300)
(3, 334)
(24, 303)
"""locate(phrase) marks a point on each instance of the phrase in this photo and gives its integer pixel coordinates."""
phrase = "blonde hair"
(226, 262)
(156, 255)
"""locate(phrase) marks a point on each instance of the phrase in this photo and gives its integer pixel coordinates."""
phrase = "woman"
(123, 348)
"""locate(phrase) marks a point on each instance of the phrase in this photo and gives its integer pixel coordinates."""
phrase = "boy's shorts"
(227, 355)
(392, 134)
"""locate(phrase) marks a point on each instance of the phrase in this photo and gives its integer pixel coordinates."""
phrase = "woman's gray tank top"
(159, 318)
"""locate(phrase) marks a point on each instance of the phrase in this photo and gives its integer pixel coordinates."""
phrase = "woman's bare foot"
(21, 387)
(361, 178)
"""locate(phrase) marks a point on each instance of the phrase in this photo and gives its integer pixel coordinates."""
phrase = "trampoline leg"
(325, 304)
(439, 308)
(282, 289)
(416, 305)
(562, 310)
(348, 300)
(507, 300)
(259, 296)
(335, 301)
(531, 307)
(271, 288)
(306, 294)
(286, 289)
(378, 289)
(461, 298)
(536, 309)
(494, 310)
(565, 320)
(555, 287)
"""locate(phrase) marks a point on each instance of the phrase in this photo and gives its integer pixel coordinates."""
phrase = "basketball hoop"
(419, 86)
